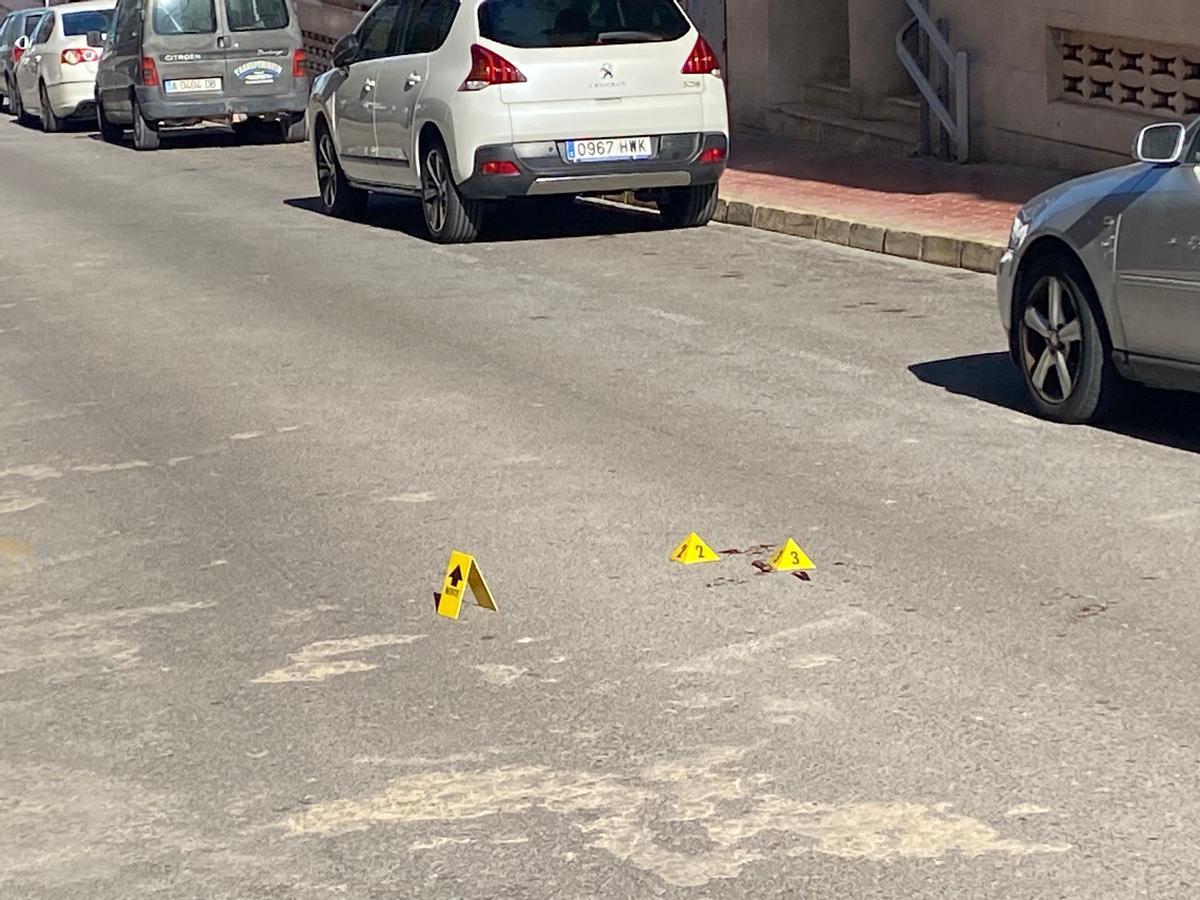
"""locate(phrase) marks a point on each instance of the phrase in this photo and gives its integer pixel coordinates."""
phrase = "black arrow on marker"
(455, 576)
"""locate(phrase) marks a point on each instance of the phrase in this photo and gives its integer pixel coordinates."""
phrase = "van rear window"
(256, 15)
(580, 23)
(79, 23)
(184, 17)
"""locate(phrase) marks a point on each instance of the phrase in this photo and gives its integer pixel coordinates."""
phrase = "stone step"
(830, 126)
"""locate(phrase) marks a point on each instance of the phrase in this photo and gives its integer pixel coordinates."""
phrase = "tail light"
(298, 64)
(17, 54)
(149, 72)
(712, 156)
(488, 68)
(74, 57)
(702, 60)
(500, 167)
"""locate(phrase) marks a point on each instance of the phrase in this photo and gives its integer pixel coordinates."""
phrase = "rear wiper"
(625, 37)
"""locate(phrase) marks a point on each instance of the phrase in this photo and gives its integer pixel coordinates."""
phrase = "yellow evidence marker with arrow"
(791, 558)
(693, 550)
(462, 572)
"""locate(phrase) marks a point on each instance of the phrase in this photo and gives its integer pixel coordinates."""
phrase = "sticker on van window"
(258, 71)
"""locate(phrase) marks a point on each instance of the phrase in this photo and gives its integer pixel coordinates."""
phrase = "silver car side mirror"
(1160, 145)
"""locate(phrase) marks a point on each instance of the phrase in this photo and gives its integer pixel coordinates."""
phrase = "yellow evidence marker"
(791, 558)
(462, 572)
(693, 550)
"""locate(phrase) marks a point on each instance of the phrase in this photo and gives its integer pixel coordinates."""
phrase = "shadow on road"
(524, 220)
(191, 139)
(1168, 418)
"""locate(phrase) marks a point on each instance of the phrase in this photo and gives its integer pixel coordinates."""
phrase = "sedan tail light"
(702, 60)
(298, 64)
(149, 72)
(488, 68)
(74, 57)
(17, 54)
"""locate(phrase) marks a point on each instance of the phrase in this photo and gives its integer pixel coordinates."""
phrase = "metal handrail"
(958, 124)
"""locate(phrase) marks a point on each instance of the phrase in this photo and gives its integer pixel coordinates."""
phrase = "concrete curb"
(936, 249)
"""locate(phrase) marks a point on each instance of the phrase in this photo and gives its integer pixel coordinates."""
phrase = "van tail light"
(702, 60)
(712, 156)
(298, 64)
(149, 72)
(488, 68)
(74, 57)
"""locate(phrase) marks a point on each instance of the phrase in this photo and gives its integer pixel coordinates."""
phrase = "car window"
(428, 26)
(31, 24)
(6, 29)
(44, 30)
(256, 15)
(376, 33)
(184, 17)
(80, 23)
(578, 23)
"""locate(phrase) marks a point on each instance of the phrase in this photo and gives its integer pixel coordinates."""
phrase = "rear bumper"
(160, 108)
(542, 171)
(72, 98)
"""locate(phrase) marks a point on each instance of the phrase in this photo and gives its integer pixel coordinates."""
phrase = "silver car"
(1100, 284)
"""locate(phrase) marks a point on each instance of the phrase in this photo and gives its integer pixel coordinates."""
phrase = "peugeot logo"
(606, 71)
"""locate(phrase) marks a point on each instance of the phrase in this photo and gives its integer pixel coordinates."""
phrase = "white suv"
(467, 102)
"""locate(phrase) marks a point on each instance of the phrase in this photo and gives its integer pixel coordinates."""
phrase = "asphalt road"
(238, 441)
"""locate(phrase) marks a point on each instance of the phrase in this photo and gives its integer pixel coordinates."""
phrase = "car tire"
(51, 124)
(450, 218)
(295, 129)
(1062, 346)
(23, 118)
(689, 207)
(145, 135)
(110, 131)
(338, 196)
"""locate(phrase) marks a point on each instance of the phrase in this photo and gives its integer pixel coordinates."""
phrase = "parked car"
(22, 23)
(1100, 284)
(55, 79)
(485, 100)
(172, 63)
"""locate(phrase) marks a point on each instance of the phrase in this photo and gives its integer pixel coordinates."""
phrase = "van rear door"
(182, 41)
(262, 38)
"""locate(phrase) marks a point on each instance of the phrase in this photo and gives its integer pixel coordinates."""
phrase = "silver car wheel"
(1052, 340)
(436, 191)
(327, 170)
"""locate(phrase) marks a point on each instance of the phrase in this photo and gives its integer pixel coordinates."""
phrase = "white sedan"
(56, 77)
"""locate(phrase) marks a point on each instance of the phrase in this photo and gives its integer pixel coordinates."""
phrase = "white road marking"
(499, 674)
(93, 468)
(33, 473)
(15, 503)
(314, 662)
(245, 435)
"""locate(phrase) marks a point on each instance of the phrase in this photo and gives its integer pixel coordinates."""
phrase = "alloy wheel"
(436, 191)
(1051, 336)
(327, 170)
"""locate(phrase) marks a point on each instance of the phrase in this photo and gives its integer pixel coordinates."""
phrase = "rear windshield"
(256, 15)
(79, 23)
(579, 23)
(184, 17)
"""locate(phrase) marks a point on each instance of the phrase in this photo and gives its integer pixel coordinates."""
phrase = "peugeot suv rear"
(470, 102)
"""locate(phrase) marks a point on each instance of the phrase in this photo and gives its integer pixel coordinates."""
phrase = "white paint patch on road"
(15, 503)
(1027, 809)
(522, 459)
(833, 364)
(176, 460)
(285, 429)
(739, 824)
(674, 318)
(245, 435)
(33, 473)
(1174, 515)
(790, 710)
(811, 661)
(316, 662)
(436, 842)
(499, 674)
(736, 655)
(412, 497)
(95, 468)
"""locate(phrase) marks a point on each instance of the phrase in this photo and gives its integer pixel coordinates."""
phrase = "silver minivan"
(174, 63)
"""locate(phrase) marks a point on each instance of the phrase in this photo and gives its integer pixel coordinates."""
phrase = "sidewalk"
(938, 212)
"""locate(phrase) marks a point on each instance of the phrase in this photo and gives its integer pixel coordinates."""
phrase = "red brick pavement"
(972, 202)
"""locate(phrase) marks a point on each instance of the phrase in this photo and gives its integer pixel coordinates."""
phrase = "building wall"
(1018, 111)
